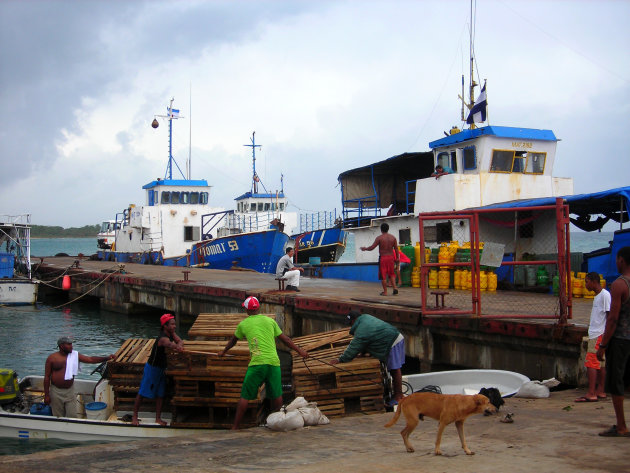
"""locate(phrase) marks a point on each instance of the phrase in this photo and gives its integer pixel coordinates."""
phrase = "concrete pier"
(537, 348)
(547, 435)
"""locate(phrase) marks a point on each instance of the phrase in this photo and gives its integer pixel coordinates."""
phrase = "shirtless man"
(58, 390)
(615, 344)
(388, 257)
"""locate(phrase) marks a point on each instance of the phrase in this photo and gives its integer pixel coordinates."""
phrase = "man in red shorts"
(388, 257)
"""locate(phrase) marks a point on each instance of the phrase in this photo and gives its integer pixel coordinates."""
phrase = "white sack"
(285, 420)
(297, 403)
(312, 415)
(533, 389)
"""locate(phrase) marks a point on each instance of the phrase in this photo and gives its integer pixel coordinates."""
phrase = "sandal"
(612, 432)
(383, 293)
(585, 399)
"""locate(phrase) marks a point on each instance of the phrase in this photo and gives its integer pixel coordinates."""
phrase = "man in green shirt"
(264, 365)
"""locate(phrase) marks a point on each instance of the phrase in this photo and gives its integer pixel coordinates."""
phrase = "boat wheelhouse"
(16, 284)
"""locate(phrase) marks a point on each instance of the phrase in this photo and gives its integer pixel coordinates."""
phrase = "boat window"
(252, 207)
(444, 232)
(185, 197)
(267, 205)
(174, 197)
(260, 206)
(191, 234)
(194, 197)
(444, 160)
(535, 163)
(273, 206)
(470, 158)
(166, 197)
(151, 198)
(281, 206)
(203, 198)
(519, 162)
(404, 236)
(501, 160)
(454, 161)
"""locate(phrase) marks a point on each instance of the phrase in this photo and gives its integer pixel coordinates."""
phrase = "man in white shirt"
(287, 270)
(595, 369)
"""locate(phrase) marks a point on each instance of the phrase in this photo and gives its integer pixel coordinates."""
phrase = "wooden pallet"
(324, 340)
(216, 326)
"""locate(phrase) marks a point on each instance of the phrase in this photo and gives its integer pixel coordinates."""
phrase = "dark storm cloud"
(53, 54)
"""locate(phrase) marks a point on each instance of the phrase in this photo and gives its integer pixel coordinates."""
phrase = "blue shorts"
(396, 357)
(153, 382)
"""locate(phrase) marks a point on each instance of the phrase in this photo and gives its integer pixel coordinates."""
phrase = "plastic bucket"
(41, 409)
(96, 410)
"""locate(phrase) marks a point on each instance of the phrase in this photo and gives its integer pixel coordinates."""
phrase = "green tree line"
(44, 231)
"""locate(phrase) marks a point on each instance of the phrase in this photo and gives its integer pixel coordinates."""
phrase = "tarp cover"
(607, 204)
(379, 184)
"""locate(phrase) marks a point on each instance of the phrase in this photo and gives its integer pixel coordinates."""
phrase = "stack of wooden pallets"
(340, 389)
(126, 373)
(208, 387)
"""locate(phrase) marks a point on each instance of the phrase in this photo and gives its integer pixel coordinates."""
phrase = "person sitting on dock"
(153, 384)
(616, 344)
(441, 171)
(61, 367)
(387, 259)
(595, 370)
(287, 270)
(382, 341)
(264, 365)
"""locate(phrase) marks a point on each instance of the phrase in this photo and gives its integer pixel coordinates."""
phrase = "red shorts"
(386, 266)
(591, 354)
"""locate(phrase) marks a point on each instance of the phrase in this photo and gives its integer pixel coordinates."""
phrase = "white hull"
(18, 292)
(469, 381)
(29, 426)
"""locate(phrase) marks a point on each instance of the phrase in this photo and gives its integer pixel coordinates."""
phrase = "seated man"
(441, 171)
(287, 270)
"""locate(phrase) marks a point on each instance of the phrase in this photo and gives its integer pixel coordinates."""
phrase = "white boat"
(33, 426)
(16, 284)
(468, 381)
(107, 234)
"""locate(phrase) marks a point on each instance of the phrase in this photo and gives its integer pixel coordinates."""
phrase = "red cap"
(251, 303)
(165, 318)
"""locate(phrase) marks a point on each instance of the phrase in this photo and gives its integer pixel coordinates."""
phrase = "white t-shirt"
(601, 305)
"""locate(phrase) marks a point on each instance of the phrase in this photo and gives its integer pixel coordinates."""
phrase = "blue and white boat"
(177, 226)
(16, 284)
(321, 238)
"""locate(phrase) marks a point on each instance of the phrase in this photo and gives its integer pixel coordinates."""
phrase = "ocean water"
(70, 246)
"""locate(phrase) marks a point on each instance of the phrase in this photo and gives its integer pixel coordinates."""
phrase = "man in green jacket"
(382, 341)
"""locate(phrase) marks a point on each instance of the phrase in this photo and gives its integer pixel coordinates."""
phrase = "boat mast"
(255, 178)
(473, 84)
(172, 114)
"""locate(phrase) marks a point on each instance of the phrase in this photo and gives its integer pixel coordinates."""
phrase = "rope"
(86, 293)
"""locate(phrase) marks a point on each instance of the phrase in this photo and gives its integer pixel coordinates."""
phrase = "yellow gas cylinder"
(416, 252)
(457, 279)
(576, 284)
(602, 281)
(427, 254)
(581, 275)
(492, 281)
(415, 277)
(443, 255)
(433, 279)
(468, 278)
(483, 281)
(443, 278)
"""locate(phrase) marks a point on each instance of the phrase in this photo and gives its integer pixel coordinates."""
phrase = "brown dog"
(445, 408)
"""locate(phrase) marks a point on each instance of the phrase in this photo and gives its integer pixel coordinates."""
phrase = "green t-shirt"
(261, 332)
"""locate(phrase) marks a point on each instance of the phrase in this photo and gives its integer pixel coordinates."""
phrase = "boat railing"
(411, 195)
(15, 219)
(318, 220)
(359, 212)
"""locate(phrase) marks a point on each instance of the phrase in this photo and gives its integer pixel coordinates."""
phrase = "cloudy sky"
(327, 86)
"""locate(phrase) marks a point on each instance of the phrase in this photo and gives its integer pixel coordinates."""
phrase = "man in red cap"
(153, 385)
(264, 365)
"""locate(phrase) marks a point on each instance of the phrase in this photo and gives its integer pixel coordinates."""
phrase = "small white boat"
(468, 381)
(33, 426)
(16, 285)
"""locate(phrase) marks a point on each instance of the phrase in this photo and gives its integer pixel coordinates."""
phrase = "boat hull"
(29, 426)
(327, 244)
(18, 292)
(258, 251)
(468, 381)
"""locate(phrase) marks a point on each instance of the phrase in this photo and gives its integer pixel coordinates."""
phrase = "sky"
(327, 86)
